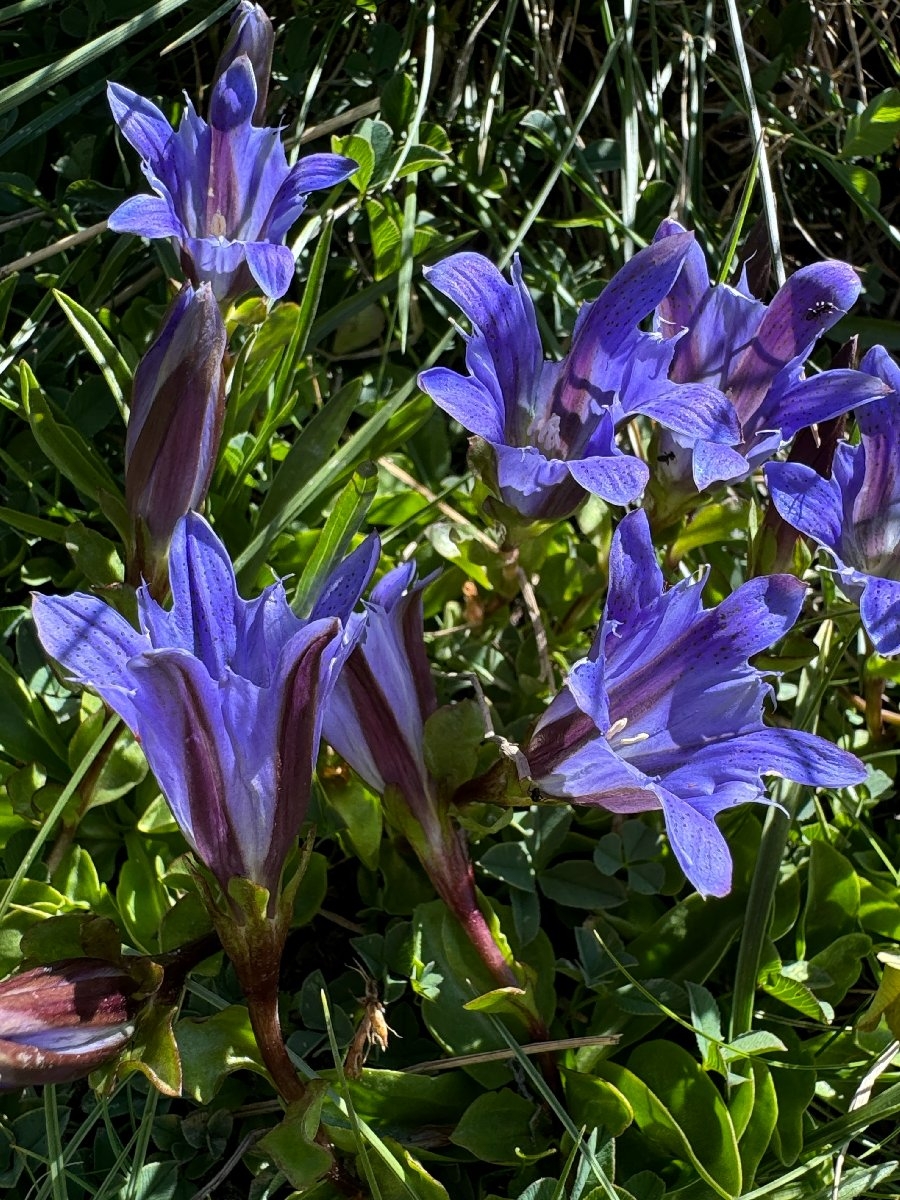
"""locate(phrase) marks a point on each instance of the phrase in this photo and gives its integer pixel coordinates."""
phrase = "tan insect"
(372, 1030)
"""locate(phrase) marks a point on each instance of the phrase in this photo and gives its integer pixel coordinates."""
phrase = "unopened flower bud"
(252, 34)
(175, 426)
(60, 1022)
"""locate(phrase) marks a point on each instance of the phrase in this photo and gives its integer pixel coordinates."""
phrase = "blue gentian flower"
(666, 712)
(225, 695)
(64, 1020)
(855, 515)
(755, 354)
(550, 426)
(224, 190)
(175, 425)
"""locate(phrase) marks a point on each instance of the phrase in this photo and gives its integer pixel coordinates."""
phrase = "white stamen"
(217, 225)
(633, 741)
(616, 727)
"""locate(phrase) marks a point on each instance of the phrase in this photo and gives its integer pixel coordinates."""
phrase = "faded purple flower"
(855, 515)
(755, 354)
(253, 34)
(60, 1022)
(224, 190)
(666, 712)
(550, 426)
(175, 424)
(225, 695)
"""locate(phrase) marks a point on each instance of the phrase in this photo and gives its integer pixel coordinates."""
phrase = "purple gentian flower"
(225, 192)
(253, 34)
(550, 426)
(666, 712)
(855, 515)
(754, 353)
(62, 1021)
(225, 695)
(175, 425)
(375, 719)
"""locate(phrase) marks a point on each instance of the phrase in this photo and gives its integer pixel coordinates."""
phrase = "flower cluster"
(229, 698)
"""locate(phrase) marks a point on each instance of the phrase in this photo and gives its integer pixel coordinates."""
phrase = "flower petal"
(342, 589)
(146, 216)
(205, 603)
(618, 480)
(140, 121)
(880, 612)
(271, 266)
(808, 502)
(316, 172)
(713, 463)
(466, 400)
(699, 846)
(692, 411)
(94, 643)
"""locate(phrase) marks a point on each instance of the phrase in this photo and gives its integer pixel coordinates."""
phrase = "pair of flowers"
(722, 376)
(229, 697)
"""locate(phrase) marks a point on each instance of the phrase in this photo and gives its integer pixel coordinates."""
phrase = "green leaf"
(795, 994)
(398, 102)
(842, 962)
(501, 1127)
(886, 1001)
(578, 884)
(292, 1144)
(343, 523)
(154, 1050)
(360, 150)
(832, 901)
(452, 738)
(302, 477)
(71, 454)
(141, 898)
(794, 1091)
(311, 890)
(679, 1110)
(876, 129)
(99, 345)
(511, 862)
(214, 1047)
(359, 812)
(596, 1103)
(759, 1126)
(95, 555)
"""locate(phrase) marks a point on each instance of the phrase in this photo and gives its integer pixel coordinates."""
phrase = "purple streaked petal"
(692, 411)
(806, 501)
(140, 121)
(305, 679)
(466, 400)
(95, 645)
(271, 266)
(879, 608)
(146, 216)
(184, 738)
(723, 325)
(792, 406)
(676, 310)
(608, 325)
(812, 300)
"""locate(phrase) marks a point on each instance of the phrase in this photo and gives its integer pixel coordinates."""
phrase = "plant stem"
(262, 1002)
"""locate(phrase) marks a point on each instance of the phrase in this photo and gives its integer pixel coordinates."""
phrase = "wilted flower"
(855, 515)
(666, 712)
(375, 719)
(175, 425)
(754, 353)
(252, 34)
(225, 192)
(225, 695)
(550, 426)
(60, 1022)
